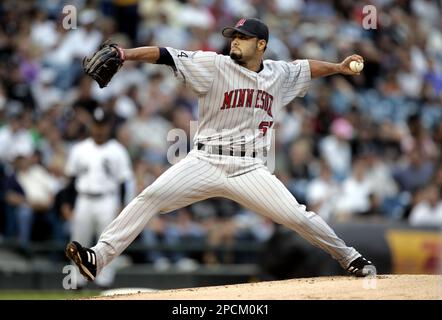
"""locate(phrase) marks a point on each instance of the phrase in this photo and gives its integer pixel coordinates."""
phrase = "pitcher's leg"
(188, 181)
(105, 211)
(263, 193)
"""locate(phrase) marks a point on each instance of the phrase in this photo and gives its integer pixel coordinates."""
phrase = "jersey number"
(263, 126)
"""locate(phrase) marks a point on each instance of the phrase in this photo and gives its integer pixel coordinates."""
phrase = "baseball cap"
(251, 27)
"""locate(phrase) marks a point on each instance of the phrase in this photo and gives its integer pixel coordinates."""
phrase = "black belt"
(219, 150)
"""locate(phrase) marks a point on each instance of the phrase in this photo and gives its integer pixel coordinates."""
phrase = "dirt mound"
(382, 287)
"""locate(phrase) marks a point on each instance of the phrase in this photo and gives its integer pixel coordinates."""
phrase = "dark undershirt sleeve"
(122, 193)
(166, 58)
(70, 193)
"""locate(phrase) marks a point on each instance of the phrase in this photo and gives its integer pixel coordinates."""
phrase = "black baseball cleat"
(361, 267)
(84, 258)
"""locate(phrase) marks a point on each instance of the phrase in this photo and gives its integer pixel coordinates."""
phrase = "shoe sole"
(72, 253)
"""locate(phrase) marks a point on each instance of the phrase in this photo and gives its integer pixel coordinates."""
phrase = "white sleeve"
(297, 80)
(71, 168)
(195, 68)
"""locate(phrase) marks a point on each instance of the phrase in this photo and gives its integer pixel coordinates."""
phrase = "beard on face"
(237, 57)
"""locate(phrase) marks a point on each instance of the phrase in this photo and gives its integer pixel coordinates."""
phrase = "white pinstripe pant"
(201, 176)
(91, 217)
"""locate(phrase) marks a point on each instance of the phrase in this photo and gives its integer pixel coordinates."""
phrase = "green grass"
(45, 295)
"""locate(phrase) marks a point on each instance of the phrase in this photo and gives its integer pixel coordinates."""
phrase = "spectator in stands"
(252, 227)
(177, 229)
(159, 232)
(428, 211)
(148, 131)
(300, 157)
(127, 16)
(418, 137)
(65, 59)
(354, 198)
(336, 149)
(324, 116)
(83, 95)
(14, 137)
(379, 175)
(437, 179)
(30, 195)
(189, 232)
(415, 173)
(18, 212)
(322, 192)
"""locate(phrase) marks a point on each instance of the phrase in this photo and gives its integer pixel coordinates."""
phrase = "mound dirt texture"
(383, 287)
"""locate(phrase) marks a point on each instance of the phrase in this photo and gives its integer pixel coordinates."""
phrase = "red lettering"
(239, 98)
(227, 99)
(236, 98)
(264, 125)
(265, 101)
(269, 109)
(242, 95)
(258, 97)
(249, 100)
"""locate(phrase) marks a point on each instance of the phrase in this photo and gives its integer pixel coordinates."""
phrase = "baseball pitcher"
(239, 97)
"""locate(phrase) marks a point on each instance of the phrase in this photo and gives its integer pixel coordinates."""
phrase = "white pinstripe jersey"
(99, 168)
(237, 105)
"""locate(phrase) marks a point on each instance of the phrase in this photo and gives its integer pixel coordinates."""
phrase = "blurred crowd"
(365, 147)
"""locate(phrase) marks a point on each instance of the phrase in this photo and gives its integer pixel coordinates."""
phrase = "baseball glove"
(104, 63)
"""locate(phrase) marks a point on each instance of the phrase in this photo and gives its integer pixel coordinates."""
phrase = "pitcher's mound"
(339, 288)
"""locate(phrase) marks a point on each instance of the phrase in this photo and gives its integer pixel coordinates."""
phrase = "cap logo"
(240, 23)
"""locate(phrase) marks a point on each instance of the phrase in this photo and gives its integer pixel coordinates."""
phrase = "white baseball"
(356, 66)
